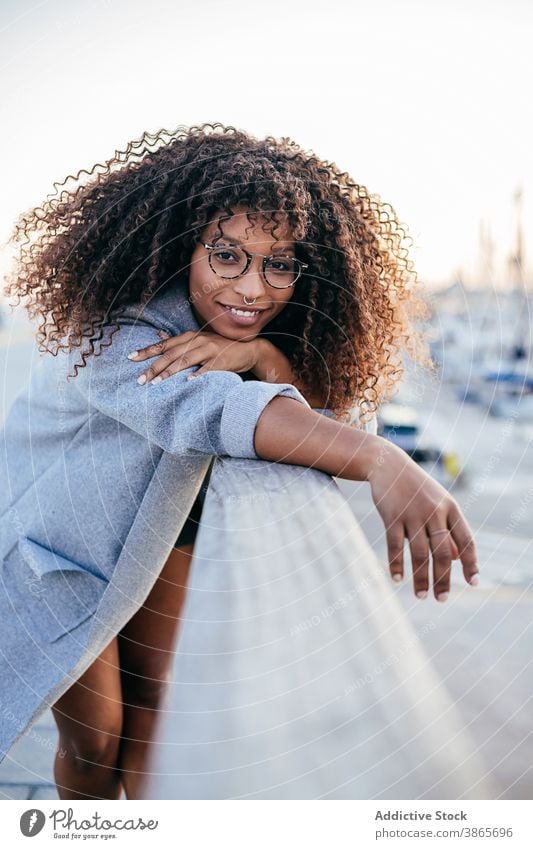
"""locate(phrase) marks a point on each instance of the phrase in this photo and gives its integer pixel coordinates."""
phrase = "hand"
(415, 506)
(208, 350)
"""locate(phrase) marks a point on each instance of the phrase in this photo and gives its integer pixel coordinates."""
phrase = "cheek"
(201, 288)
(283, 302)
(193, 278)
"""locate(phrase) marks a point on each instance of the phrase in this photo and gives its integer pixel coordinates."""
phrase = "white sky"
(426, 103)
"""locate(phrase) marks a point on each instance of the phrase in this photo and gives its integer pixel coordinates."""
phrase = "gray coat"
(97, 477)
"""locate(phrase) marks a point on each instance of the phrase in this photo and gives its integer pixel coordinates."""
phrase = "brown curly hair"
(114, 235)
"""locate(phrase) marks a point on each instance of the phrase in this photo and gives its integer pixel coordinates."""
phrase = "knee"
(94, 751)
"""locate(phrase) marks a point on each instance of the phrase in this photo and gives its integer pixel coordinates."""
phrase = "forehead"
(245, 225)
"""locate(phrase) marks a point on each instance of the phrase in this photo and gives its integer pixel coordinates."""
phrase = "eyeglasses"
(230, 261)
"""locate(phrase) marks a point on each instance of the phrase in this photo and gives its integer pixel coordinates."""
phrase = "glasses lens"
(281, 271)
(228, 261)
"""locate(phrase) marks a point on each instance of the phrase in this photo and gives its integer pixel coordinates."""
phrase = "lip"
(241, 320)
(251, 307)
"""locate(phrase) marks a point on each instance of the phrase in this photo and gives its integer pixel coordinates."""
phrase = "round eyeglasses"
(230, 261)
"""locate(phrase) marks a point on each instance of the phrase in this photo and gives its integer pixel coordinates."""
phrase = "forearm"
(288, 432)
(273, 366)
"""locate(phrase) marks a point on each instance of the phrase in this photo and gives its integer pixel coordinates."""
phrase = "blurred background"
(428, 105)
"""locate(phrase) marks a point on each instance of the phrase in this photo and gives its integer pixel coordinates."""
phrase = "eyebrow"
(235, 241)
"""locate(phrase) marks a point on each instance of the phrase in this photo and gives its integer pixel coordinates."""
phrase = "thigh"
(146, 643)
(91, 709)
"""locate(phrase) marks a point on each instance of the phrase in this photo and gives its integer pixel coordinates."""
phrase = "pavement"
(27, 770)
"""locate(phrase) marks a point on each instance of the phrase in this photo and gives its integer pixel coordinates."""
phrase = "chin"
(237, 333)
(219, 325)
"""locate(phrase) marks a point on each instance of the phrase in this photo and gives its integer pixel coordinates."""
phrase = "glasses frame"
(249, 254)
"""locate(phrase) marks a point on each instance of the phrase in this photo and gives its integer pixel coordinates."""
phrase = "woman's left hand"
(208, 350)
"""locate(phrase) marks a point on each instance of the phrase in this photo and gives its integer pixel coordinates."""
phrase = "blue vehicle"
(401, 425)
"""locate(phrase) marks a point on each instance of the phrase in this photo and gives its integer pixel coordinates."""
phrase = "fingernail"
(397, 577)
(474, 580)
(141, 379)
(157, 379)
(421, 594)
(442, 596)
(132, 355)
(190, 376)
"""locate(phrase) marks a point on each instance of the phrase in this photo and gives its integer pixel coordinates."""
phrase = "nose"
(251, 284)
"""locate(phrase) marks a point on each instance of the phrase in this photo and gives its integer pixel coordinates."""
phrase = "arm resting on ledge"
(410, 503)
(289, 432)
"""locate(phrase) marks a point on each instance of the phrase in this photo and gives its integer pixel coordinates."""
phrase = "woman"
(184, 232)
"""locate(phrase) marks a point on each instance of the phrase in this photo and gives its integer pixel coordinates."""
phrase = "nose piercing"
(249, 303)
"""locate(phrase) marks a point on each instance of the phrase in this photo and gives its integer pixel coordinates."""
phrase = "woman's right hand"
(415, 506)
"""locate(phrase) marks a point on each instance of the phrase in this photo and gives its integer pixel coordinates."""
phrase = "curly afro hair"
(116, 234)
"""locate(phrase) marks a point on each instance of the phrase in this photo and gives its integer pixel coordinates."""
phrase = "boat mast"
(520, 346)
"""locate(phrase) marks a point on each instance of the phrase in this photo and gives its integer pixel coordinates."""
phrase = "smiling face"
(212, 296)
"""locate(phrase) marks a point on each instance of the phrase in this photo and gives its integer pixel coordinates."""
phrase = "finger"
(463, 537)
(209, 366)
(174, 361)
(395, 541)
(441, 552)
(419, 547)
(184, 354)
(162, 346)
(155, 350)
(150, 351)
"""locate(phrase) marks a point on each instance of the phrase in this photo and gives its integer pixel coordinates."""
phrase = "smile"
(242, 310)
(241, 316)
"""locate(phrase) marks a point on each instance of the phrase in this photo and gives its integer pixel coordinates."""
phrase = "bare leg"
(89, 719)
(146, 646)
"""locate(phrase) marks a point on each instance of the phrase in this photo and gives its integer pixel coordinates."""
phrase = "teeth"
(243, 312)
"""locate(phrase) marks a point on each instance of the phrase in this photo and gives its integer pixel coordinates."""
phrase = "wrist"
(260, 350)
(270, 364)
(371, 454)
(273, 366)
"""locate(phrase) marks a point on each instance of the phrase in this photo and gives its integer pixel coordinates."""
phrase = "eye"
(225, 255)
(280, 264)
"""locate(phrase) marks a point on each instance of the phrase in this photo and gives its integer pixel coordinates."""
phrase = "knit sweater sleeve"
(215, 414)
